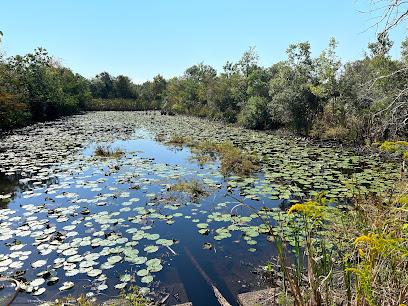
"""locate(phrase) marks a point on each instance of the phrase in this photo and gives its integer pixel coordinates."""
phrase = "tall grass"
(353, 255)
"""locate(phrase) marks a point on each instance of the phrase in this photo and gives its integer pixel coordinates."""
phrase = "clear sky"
(141, 38)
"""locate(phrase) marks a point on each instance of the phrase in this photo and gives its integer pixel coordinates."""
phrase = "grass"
(178, 140)
(194, 188)
(349, 255)
(106, 151)
(232, 159)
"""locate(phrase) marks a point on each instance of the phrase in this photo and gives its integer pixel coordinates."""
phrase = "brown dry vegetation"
(106, 151)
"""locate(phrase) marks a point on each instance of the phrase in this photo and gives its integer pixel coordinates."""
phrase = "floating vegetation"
(72, 221)
(193, 188)
(177, 140)
(106, 151)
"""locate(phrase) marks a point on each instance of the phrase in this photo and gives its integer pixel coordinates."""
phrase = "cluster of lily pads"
(75, 216)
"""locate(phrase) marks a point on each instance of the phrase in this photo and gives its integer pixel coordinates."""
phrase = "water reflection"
(8, 186)
(96, 201)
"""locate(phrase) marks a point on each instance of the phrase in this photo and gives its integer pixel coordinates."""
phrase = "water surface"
(109, 223)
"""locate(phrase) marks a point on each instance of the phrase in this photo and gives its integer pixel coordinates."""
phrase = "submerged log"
(220, 298)
(17, 289)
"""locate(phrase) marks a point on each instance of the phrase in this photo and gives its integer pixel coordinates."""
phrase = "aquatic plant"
(82, 300)
(232, 159)
(195, 188)
(131, 297)
(177, 140)
(120, 202)
(106, 151)
(355, 254)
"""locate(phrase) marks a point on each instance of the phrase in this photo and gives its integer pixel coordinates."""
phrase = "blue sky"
(143, 38)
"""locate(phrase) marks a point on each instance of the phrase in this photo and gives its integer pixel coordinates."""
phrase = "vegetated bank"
(320, 97)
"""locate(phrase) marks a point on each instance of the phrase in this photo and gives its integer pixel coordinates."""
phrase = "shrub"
(254, 114)
(12, 112)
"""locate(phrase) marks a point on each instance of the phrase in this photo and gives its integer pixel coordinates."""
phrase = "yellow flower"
(296, 208)
(308, 209)
(365, 238)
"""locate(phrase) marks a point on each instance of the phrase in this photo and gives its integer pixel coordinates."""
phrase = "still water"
(93, 209)
(73, 223)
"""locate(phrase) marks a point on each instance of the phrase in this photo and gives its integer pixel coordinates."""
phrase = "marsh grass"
(178, 140)
(193, 188)
(106, 151)
(232, 159)
(355, 254)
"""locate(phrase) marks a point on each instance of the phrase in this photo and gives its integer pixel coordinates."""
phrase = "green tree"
(382, 46)
(254, 114)
(123, 87)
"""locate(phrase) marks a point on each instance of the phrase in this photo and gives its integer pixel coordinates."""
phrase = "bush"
(34, 88)
(254, 114)
(12, 112)
(303, 108)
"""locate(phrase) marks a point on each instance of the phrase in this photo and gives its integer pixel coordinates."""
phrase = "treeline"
(318, 96)
(35, 87)
(314, 96)
(120, 93)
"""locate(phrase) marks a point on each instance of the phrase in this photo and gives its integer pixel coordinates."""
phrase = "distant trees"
(366, 99)
(316, 96)
(150, 94)
(35, 87)
(105, 86)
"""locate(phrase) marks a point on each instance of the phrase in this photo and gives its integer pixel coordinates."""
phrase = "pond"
(75, 223)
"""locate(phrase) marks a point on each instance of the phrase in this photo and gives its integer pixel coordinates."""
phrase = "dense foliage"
(35, 87)
(119, 93)
(314, 96)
